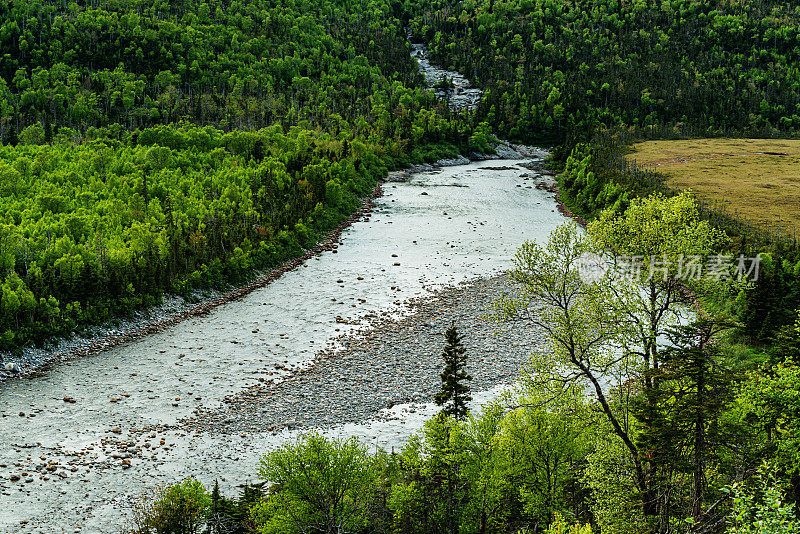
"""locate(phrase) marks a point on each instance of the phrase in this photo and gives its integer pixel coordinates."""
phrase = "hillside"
(555, 70)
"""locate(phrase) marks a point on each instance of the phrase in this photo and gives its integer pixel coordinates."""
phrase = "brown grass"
(756, 179)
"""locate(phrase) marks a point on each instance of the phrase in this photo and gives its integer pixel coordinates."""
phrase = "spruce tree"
(681, 416)
(455, 393)
(11, 137)
(48, 130)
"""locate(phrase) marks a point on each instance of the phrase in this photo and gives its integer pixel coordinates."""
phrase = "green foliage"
(760, 509)
(319, 485)
(559, 526)
(556, 70)
(684, 432)
(771, 399)
(93, 230)
(770, 305)
(151, 148)
(546, 453)
(138, 63)
(667, 228)
(587, 189)
(178, 509)
(615, 500)
(455, 393)
(490, 473)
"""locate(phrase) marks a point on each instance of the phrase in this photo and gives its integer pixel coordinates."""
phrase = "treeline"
(94, 230)
(555, 70)
(529, 471)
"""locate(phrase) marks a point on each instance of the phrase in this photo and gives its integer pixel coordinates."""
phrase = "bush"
(177, 509)
(761, 510)
(319, 485)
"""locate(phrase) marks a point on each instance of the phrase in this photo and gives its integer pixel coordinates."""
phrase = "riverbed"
(204, 397)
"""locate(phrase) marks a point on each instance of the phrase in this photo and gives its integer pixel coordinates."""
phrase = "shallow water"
(438, 228)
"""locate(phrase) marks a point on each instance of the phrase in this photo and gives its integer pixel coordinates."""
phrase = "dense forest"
(555, 69)
(149, 146)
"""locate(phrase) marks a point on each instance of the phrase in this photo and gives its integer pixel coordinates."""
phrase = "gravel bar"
(396, 360)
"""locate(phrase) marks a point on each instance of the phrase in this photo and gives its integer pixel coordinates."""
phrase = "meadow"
(755, 179)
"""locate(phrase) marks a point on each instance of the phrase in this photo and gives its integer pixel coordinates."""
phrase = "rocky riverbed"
(395, 361)
(354, 329)
(451, 86)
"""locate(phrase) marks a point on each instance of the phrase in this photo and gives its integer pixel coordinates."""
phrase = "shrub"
(178, 509)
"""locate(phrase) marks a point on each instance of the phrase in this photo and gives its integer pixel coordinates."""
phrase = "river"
(83, 439)
(81, 463)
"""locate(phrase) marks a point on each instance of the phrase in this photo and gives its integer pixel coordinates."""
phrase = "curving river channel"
(346, 344)
(78, 464)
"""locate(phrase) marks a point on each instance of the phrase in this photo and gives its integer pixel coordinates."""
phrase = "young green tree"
(178, 509)
(656, 238)
(761, 509)
(605, 330)
(319, 485)
(455, 393)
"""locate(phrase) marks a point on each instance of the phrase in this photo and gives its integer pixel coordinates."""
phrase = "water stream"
(69, 465)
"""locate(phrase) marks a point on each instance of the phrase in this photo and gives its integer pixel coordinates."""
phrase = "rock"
(12, 367)
(116, 430)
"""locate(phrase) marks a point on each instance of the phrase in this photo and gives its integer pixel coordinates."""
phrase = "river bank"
(175, 309)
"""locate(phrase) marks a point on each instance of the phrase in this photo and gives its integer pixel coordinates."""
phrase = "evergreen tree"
(48, 130)
(11, 137)
(454, 394)
(681, 415)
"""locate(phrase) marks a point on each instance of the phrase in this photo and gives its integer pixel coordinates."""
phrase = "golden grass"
(756, 179)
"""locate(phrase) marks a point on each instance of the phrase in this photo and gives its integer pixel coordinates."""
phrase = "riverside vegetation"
(152, 146)
(191, 144)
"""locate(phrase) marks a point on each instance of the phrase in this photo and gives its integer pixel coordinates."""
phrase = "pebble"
(395, 361)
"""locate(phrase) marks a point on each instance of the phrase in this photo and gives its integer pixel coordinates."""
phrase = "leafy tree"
(605, 332)
(178, 509)
(318, 485)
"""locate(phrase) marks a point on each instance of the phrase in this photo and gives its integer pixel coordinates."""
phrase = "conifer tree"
(682, 427)
(455, 393)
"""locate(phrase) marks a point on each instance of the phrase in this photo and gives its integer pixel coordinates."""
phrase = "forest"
(190, 144)
(557, 70)
(151, 147)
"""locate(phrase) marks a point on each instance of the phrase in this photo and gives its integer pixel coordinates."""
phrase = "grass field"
(756, 179)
